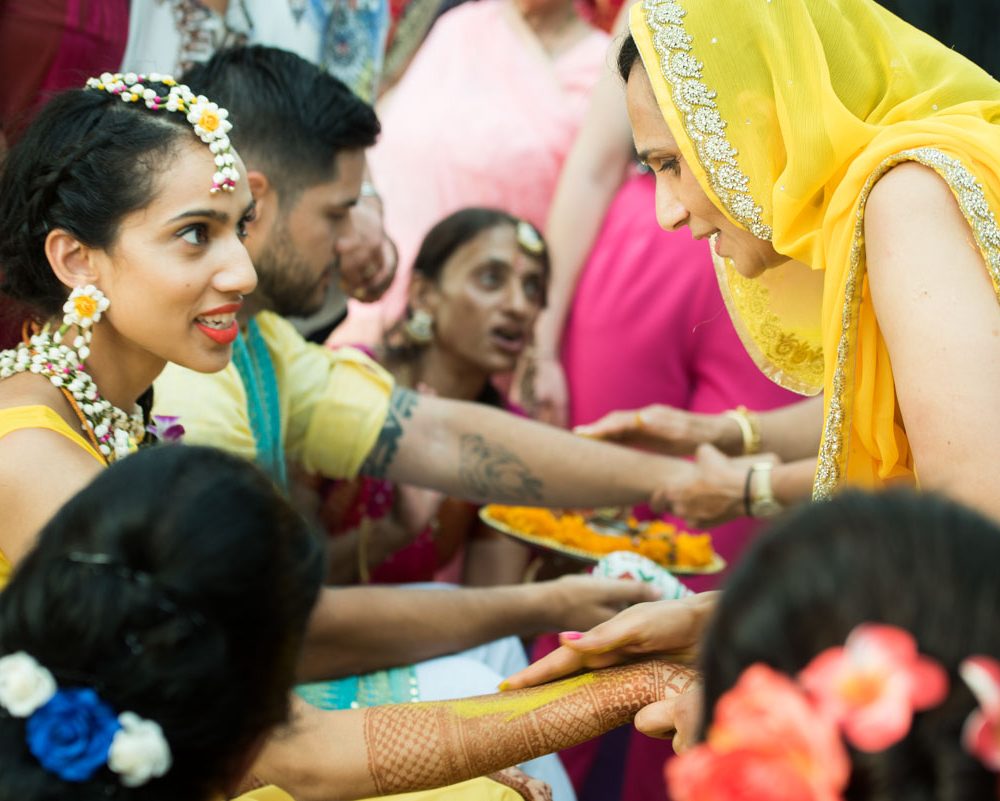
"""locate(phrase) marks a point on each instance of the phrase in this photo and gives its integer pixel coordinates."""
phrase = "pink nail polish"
(570, 635)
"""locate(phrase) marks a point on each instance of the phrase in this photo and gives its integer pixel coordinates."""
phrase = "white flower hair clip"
(73, 733)
(210, 123)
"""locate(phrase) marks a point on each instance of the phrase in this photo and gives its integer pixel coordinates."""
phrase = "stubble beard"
(283, 284)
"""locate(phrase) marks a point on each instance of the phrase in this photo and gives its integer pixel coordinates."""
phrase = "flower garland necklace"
(113, 432)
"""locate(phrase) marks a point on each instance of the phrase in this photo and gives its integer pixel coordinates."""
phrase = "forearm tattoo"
(490, 472)
(420, 746)
(401, 405)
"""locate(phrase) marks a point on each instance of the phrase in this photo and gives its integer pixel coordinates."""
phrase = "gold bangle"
(749, 428)
(364, 531)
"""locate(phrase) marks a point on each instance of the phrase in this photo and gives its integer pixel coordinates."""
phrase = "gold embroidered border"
(698, 110)
(786, 358)
(977, 212)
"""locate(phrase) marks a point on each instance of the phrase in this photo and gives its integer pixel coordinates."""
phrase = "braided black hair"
(87, 161)
(177, 585)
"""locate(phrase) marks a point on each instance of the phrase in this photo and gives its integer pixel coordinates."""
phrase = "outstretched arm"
(398, 748)
(791, 432)
(482, 454)
(360, 629)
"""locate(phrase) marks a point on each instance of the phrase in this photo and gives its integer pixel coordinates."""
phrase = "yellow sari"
(787, 113)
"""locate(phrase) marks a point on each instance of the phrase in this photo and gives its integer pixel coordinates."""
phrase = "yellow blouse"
(17, 418)
(333, 403)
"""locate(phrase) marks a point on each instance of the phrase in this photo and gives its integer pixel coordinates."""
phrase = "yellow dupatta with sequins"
(788, 112)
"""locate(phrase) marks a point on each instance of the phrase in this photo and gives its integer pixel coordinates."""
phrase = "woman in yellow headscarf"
(848, 168)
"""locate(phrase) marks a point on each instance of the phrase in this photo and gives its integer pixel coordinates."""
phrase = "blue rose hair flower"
(71, 735)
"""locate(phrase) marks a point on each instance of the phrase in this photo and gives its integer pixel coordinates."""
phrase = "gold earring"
(420, 327)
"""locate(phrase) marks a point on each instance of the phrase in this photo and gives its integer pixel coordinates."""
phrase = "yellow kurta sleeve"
(212, 407)
(334, 402)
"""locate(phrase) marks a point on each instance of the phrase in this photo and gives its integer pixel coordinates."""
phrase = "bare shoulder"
(909, 181)
(39, 471)
(913, 202)
(28, 389)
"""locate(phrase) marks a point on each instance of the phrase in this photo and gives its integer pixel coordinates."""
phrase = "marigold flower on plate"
(767, 742)
(873, 685)
(981, 734)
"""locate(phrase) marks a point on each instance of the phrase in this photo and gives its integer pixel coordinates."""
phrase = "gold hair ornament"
(529, 239)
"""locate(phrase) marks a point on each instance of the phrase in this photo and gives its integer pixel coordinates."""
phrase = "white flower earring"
(82, 309)
(113, 432)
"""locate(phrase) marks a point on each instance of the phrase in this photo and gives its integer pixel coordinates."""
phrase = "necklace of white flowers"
(73, 733)
(113, 432)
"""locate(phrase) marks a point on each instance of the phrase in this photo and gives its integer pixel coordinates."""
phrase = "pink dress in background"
(648, 325)
(482, 117)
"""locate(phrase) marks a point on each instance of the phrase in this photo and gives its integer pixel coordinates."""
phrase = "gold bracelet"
(749, 428)
(364, 531)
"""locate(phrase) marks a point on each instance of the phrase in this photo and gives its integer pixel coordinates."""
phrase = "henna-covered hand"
(428, 745)
(529, 788)
(665, 629)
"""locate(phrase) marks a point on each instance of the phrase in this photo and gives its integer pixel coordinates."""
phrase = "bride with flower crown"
(122, 217)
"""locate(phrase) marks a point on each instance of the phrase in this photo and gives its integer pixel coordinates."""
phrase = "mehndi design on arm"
(491, 472)
(401, 405)
(427, 745)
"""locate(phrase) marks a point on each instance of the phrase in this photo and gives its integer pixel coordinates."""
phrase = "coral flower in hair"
(981, 735)
(767, 742)
(874, 683)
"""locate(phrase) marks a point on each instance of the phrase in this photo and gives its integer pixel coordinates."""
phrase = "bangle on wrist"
(749, 427)
(758, 496)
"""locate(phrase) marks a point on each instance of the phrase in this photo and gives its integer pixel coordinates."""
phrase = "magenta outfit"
(482, 117)
(648, 325)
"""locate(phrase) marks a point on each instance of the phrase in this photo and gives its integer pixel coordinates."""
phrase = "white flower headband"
(209, 121)
(73, 733)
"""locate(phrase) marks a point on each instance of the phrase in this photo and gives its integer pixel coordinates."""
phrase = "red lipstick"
(223, 336)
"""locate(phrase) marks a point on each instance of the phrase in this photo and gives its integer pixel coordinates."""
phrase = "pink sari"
(482, 117)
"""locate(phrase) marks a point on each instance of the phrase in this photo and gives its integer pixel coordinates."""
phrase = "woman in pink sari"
(484, 116)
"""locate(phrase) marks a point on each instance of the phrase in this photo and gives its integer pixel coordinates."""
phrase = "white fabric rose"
(139, 751)
(24, 684)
